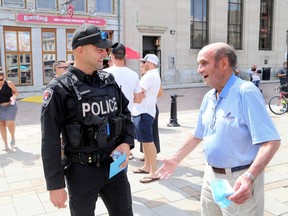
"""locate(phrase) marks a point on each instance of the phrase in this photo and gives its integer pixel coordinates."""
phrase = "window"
(48, 54)
(266, 25)
(235, 22)
(104, 6)
(18, 55)
(79, 5)
(44, 4)
(199, 24)
(14, 3)
(69, 35)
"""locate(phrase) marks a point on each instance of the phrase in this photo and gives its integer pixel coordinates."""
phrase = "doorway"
(151, 45)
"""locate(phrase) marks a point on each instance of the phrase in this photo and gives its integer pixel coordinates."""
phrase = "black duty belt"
(89, 158)
(233, 169)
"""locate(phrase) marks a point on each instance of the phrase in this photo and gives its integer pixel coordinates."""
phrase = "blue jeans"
(256, 83)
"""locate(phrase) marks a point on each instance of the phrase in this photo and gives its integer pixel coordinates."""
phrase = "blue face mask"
(220, 189)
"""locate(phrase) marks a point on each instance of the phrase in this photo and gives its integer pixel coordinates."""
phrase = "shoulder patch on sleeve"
(47, 95)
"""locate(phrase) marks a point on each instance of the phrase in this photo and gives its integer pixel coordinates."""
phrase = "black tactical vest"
(92, 113)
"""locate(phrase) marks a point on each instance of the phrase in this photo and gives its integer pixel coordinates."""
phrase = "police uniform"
(92, 114)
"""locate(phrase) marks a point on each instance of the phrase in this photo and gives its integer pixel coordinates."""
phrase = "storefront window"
(49, 53)
(44, 4)
(24, 41)
(69, 35)
(14, 3)
(18, 56)
(104, 6)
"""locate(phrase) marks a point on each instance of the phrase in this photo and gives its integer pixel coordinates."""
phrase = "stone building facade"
(35, 33)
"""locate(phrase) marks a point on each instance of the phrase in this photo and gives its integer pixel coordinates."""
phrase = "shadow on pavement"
(16, 154)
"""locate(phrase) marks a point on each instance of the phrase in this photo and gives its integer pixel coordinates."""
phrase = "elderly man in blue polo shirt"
(235, 147)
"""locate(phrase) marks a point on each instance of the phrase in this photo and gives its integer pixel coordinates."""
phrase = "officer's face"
(94, 56)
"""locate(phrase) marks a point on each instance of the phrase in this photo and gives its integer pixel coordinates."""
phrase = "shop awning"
(132, 54)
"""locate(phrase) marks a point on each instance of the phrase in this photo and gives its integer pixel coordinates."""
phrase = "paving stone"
(21, 167)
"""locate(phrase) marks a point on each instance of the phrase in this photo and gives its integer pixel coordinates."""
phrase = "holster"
(67, 167)
(101, 134)
(97, 130)
(116, 125)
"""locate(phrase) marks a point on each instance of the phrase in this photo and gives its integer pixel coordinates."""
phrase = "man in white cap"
(144, 114)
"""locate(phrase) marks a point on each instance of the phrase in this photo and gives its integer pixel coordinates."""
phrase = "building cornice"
(151, 29)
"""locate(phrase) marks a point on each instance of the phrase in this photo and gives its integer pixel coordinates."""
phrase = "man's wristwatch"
(249, 175)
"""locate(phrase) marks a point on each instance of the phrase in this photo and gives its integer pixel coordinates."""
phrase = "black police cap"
(91, 34)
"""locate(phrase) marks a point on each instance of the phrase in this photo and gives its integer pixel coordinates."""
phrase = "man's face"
(142, 68)
(61, 69)
(207, 67)
(215, 74)
(94, 56)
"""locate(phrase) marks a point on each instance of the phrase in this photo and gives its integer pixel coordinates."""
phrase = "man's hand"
(243, 190)
(168, 167)
(58, 198)
(123, 148)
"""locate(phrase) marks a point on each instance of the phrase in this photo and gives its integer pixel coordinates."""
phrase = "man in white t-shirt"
(254, 72)
(144, 114)
(126, 78)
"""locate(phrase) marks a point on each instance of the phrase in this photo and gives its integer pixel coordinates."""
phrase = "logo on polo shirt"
(229, 117)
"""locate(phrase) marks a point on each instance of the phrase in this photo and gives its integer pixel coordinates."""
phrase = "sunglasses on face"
(64, 67)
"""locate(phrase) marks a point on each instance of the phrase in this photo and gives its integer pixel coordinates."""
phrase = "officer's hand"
(124, 148)
(58, 198)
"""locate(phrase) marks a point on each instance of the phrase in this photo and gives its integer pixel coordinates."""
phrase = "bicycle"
(279, 104)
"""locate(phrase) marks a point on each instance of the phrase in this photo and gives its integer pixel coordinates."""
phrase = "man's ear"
(79, 49)
(225, 64)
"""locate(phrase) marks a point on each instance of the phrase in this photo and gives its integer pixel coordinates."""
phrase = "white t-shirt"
(255, 76)
(128, 80)
(150, 82)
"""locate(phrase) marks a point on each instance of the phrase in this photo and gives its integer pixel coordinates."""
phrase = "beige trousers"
(252, 207)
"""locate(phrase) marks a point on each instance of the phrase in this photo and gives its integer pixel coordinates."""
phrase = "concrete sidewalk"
(22, 185)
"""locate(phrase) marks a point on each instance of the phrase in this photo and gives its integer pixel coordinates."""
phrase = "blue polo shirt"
(234, 125)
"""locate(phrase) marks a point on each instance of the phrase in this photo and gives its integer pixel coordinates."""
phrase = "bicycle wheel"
(277, 105)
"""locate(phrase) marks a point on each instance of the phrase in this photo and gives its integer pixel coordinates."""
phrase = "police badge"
(47, 95)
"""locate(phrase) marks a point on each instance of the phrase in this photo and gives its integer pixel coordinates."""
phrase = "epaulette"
(54, 82)
(71, 82)
(68, 79)
(106, 77)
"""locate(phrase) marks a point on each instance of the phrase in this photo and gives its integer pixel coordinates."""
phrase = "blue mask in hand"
(220, 189)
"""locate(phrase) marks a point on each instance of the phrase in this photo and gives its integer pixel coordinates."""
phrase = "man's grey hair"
(226, 51)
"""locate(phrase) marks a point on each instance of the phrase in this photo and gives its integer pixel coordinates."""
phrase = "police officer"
(90, 111)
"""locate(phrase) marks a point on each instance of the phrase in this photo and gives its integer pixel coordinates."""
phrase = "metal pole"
(173, 112)
(119, 23)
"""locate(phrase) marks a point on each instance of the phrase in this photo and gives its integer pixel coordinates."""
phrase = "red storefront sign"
(48, 19)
